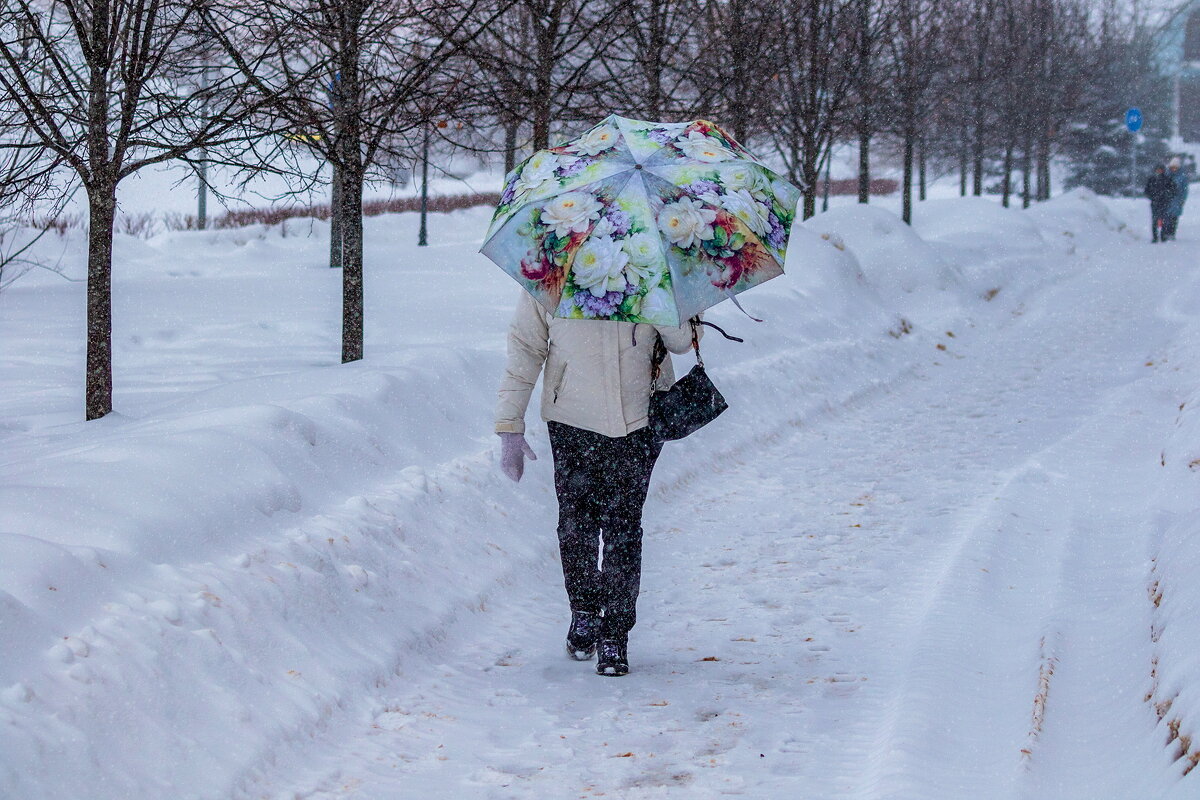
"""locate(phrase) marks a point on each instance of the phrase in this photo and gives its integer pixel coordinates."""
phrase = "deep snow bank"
(187, 588)
(1175, 559)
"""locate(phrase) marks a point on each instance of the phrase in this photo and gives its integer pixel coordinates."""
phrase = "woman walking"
(595, 395)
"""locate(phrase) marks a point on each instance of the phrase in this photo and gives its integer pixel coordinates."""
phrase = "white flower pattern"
(742, 176)
(538, 170)
(703, 148)
(643, 249)
(686, 222)
(658, 307)
(599, 266)
(743, 206)
(569, 213)
(596, 141)
(594, 249)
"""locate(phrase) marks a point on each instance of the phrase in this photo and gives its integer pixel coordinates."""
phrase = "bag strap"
(656, 360)
(720, 331)
(694, 322)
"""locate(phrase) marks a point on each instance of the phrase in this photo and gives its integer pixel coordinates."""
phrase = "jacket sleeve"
(679, 340)
(528, 344)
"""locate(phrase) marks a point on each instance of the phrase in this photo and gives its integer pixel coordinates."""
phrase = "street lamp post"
(1133, 122)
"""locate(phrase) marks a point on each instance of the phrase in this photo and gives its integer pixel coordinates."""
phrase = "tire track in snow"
(1022, 679)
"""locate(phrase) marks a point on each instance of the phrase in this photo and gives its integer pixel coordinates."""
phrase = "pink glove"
(513, 452)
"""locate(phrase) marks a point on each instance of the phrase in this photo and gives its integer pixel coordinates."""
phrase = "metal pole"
(202, 192)
(1133, 173)
(422, 237)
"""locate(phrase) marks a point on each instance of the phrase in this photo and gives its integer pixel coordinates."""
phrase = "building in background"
(1180, 54)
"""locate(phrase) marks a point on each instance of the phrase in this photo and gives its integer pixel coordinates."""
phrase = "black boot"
(582, 635)
(612, 658)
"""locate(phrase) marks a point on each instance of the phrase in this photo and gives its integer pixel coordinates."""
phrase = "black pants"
(601, 484)
(1170, 223)
(1158, 223)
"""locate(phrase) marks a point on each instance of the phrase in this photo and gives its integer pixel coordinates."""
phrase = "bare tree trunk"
(335, 219)
(352, 264)
(977, 161)
(906, 196)
(541, 124)
(863, 68)
(1047, 189)
(1026, 168)
(921, 168)
(654, 73)
(864, 166)
(962, 162)
(745, 45)
(1043, 170)
(510, 144)
(542, 110)
(1007, 186)
(350, 158)
(828, 180)
(98, 392)
(793, 161)
(811, 175)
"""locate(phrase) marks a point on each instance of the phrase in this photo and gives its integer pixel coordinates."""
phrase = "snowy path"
(938, 592)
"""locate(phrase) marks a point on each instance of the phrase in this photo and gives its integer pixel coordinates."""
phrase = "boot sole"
(575, 654)
(612, 671)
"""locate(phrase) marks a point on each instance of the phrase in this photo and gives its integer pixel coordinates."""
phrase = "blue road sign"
(1133, 120)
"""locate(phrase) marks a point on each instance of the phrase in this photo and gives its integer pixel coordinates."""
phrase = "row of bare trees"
(95, 90)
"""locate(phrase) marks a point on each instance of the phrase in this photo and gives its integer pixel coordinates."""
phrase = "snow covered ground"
(943, 544)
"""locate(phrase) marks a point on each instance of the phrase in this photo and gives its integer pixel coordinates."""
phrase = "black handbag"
(691, 403)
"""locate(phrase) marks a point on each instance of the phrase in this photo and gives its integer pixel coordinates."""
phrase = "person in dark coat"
(1161, 191)
(1179, 176)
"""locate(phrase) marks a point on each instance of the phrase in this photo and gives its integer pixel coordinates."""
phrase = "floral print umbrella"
(641, 222)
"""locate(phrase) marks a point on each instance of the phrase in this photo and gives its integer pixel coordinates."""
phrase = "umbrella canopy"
(641, 222)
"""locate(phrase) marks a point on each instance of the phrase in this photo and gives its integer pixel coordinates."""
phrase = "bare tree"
(1017, 59)
(739, 37)
(980, 78)
(102, 89)
(917, 57)
(360, 82)
(1059, 41)
(815, 69)
(654, 67)
(543, 58)
(872, 21)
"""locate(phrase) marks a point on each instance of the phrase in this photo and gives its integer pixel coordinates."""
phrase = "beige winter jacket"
(596, 378)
